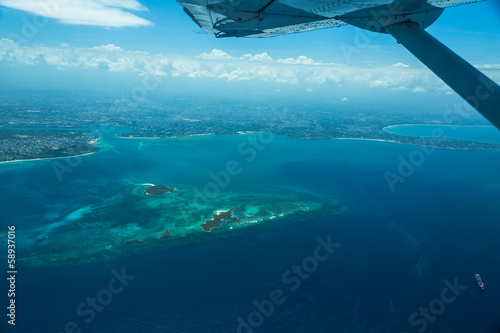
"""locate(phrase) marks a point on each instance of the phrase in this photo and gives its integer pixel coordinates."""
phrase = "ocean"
(400, 254)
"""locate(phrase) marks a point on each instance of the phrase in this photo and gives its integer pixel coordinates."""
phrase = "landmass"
(159, 190)
(163, 116)
(133, 240)
(165, 234)
(19, 145)
(219, 217)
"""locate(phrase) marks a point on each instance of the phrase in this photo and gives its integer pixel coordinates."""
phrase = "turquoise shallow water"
(396, 248)
(488, 134)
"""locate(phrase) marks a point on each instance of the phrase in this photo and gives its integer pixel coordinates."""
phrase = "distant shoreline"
(364, 139)
(437, 125)
(47, 158)
(164, 137)
(386, 129)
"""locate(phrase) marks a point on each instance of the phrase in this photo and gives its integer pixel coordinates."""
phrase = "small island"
(219, 217)
(165, 234)
(159, 190)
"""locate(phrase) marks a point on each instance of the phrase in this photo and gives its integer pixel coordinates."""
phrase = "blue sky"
(117, 43)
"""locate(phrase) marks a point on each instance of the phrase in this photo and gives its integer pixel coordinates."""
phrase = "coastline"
(164, 137)
(414, 144)
(97, 140)
(437, 125)
(47, 158)
(364, 139)
(143, 138)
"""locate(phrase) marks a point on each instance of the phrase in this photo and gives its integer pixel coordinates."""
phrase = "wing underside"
(258, 18)
(267, 18)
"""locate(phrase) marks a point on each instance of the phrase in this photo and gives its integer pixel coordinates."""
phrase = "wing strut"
(476, 88)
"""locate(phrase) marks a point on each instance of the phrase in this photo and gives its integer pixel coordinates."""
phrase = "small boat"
(480, 282)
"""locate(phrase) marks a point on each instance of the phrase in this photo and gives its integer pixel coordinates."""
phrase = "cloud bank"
(219, 65)
(107, 13)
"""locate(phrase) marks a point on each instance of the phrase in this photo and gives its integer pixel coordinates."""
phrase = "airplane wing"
(405, 20)
(268, 18)
(257, 18)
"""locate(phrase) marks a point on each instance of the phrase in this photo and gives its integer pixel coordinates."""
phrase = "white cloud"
(378, 83)
(215, 54)
(219, 65)
(400, 64)
(263, 57)
(108, 57)
(300, 60)
(401, 88)
(107, 48)
(258, 57)
(324, 75)
(345, 99)
(489, 66)
(107, 13)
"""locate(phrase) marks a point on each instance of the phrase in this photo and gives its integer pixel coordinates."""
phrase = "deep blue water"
(396, 248)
